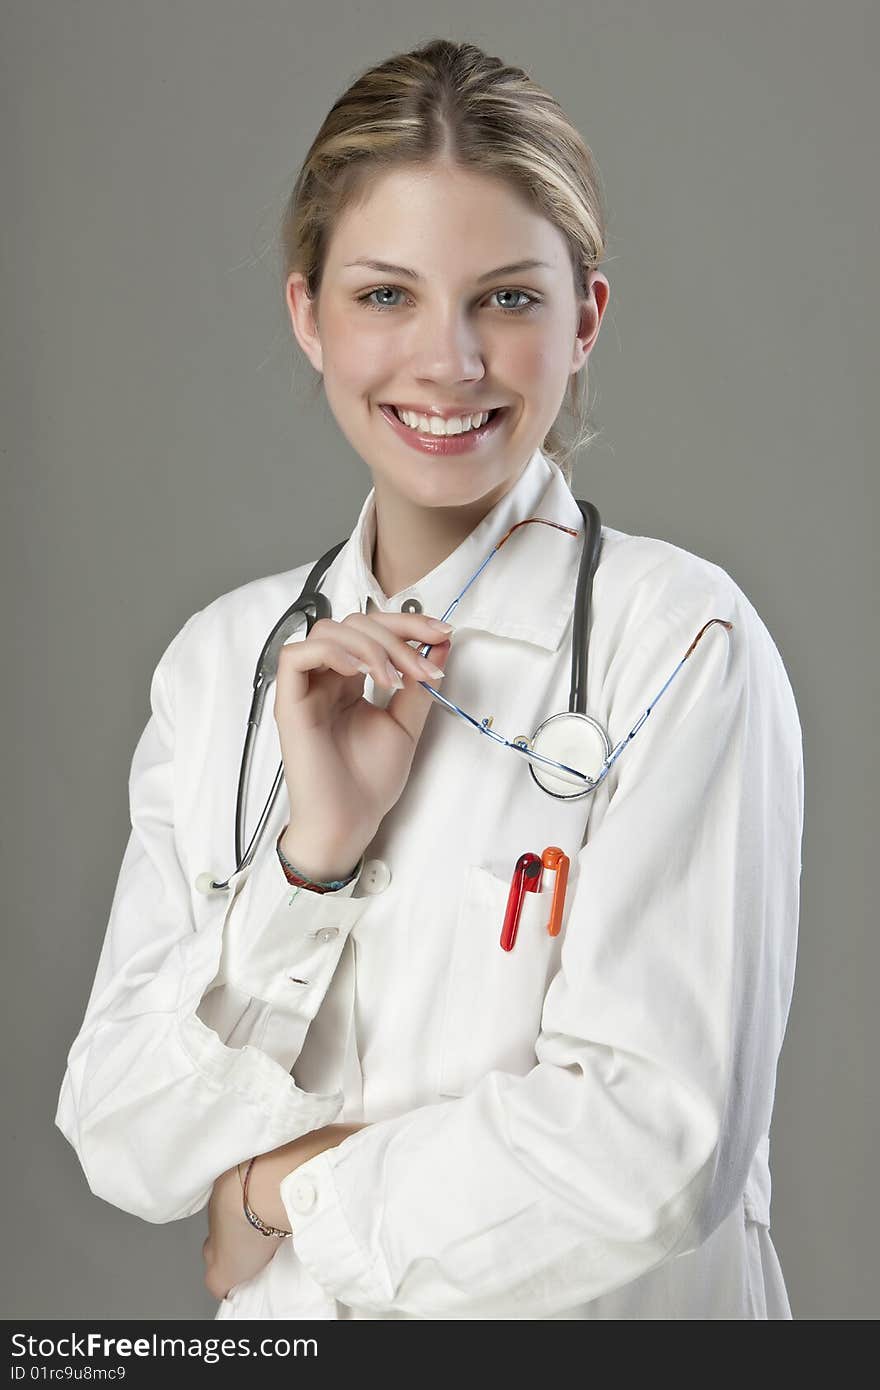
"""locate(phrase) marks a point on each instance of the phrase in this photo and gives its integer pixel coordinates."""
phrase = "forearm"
(270, 1169)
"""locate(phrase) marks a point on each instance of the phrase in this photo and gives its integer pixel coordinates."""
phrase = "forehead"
(430, 220)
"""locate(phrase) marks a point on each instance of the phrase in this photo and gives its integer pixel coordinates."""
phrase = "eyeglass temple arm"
(618, 749)
(531, 520)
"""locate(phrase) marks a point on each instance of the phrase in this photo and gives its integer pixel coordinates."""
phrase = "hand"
(233, 1251)
(346, 761)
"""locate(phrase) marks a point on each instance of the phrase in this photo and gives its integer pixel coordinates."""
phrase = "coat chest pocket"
(495, 998)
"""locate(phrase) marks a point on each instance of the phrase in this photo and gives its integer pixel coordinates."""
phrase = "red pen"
(526, 879)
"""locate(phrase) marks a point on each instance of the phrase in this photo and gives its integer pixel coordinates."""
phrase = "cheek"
(533, 360)
(533, 375)
(360, 357)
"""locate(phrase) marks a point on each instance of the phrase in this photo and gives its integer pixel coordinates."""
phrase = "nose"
(447, 348)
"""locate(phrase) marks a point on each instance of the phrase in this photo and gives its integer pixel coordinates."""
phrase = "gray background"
(161, 446)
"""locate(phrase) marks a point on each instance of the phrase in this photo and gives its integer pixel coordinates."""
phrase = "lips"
(445, 445)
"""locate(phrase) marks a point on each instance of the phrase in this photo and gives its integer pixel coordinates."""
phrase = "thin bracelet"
(251, 1215)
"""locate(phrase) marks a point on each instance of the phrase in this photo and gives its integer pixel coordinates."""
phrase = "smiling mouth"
(465, 415)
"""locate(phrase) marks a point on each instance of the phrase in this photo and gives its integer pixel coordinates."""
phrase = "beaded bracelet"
(251, 1215)
(299, 880)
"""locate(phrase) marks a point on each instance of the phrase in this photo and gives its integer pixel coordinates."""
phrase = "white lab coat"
(578, 1128)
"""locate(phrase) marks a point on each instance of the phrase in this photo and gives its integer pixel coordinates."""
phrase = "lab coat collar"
(526, 591)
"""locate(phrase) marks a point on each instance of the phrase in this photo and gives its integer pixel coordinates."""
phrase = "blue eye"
(368, 301)
(519, 308)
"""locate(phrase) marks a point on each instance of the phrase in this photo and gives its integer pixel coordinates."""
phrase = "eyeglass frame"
(521, 744)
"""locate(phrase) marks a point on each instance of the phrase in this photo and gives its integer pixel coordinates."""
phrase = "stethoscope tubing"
(312, 604)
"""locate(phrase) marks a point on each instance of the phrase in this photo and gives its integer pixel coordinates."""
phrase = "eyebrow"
(385, 268)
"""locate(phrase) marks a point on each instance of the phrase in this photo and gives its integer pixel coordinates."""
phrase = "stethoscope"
(571, 737)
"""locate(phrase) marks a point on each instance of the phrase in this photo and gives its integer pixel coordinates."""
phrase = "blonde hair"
(451, 101)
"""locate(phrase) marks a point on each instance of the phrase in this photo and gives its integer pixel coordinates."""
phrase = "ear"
(303, 318)
(590, 312)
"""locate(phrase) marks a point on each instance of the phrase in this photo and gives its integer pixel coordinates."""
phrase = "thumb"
(410, 706)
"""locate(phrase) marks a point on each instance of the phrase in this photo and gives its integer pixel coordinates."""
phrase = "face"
(451, 337)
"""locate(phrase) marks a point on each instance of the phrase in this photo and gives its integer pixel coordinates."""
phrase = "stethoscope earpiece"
(205, 884)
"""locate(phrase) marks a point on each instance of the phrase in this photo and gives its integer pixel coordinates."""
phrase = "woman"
(336, 1045)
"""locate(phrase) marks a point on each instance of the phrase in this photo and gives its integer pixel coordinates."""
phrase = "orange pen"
(554, 858)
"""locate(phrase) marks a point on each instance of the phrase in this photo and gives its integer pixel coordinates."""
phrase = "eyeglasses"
(524, 745)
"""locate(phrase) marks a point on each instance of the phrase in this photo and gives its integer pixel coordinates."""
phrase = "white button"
(303, 1194)
(327, 934)
(375, 876)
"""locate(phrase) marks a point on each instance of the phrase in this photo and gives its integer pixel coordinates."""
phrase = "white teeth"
(434, 425)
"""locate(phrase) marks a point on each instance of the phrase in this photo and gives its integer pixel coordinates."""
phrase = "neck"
(411, 541)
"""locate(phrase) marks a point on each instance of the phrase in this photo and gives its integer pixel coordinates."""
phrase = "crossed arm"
(233, 1251)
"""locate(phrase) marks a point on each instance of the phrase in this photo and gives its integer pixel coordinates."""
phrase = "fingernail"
(442, 627)
(394, 676)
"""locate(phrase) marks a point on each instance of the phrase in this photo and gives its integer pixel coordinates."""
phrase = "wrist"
(319, 865)
(264, 1187)
(270, 1169)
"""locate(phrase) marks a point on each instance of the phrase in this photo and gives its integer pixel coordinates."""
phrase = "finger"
(318, 653)
(410, 706)
(395, 633)
(341, 647)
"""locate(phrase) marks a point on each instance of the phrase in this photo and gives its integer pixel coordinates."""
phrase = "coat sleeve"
(181, 1065)
(631, 1138)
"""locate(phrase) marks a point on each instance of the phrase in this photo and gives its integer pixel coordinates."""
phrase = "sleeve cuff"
(322, 1237)
(278, 939)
